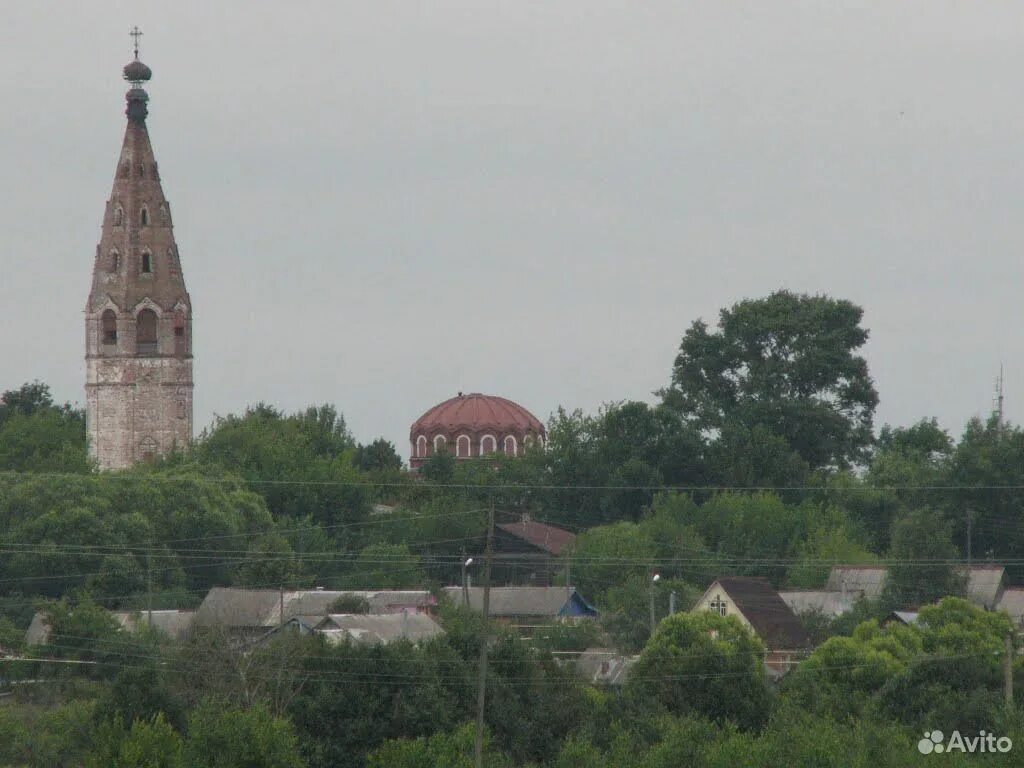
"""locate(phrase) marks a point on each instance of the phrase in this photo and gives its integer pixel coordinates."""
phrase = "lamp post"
(654, 581)
(465, 586)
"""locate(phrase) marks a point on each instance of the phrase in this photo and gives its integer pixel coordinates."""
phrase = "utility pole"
(654, 621)
(999, 400)
(465, 584)
(481, 692)
(970, 524)
(1008, 671)
(149, 586)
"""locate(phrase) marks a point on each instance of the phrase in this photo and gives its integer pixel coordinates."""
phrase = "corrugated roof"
(173, 623)
(541, 535)
(821, 601)
(384, 628)
(228, 606)
(773, 620)
(1012, 601)
(869, 580)
(984, 582)
(517, 601)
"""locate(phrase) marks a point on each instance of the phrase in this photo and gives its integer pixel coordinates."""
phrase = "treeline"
(758, 457)
(697, 696)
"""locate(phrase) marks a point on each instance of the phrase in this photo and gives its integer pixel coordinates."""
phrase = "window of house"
(718, 605)
(108, 327)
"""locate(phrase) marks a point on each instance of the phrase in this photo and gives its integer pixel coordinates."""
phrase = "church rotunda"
(474, 425)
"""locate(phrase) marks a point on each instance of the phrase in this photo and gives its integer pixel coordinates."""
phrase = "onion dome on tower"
(473, 425)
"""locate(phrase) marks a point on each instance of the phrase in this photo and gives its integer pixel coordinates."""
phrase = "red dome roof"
(475, 412)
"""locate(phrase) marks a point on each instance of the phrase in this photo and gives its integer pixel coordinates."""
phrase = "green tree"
(705, 664)
(240, 738)
(787, 363)
(301, 464)
(148, 744)
(442, 750)
(923, 559)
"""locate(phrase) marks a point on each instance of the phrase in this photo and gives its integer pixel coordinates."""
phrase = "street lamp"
(654, 581)
(465, 586)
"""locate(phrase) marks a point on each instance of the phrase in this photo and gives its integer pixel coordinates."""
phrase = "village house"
(247, 614)
(362, 628)
(526, 608)
(759, 608)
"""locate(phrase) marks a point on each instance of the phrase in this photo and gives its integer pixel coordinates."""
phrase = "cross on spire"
(135, 34)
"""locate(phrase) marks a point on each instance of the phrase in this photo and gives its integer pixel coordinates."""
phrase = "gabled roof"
(1012, 601)
(868, 580)
(254, 608)
(984, 581)
(541, 535)
(903, 617)
(772, 620)
(821, 601)
(173, 623)
(384, 628)
(526, 601)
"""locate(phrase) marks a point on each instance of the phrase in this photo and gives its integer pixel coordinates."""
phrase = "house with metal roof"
(361, 628)
(174, 624)
(249, 613)
(985, 582)
(529, 552)
(527, 607)
(821, 601)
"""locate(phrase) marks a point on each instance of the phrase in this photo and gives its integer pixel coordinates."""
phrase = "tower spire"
(135, 34)
(137, 73)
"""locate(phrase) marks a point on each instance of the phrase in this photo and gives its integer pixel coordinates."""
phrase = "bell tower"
(138, 320)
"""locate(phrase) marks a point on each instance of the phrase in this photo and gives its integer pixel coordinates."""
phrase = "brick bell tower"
(138, 321)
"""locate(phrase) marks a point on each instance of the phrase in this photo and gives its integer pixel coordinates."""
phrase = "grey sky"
(378, 204)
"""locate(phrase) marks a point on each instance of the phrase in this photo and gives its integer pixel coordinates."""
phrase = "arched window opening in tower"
(145, 332)
(147, 262)
(488, 445)
(462, 446)
(510, 446)
(115, 260)
(144, 217)
(108, 327)
(440, 443)
(118, 215)
(421, 445)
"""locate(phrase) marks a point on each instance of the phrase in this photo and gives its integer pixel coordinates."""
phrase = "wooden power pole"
(1008, 672)
(481, 692)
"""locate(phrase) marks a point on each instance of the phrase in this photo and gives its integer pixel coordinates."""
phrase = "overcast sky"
(379, 204)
